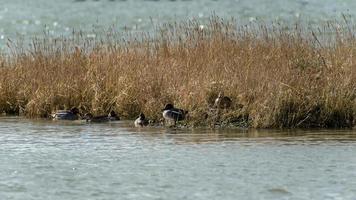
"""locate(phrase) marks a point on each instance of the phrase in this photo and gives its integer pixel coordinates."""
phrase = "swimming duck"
(112, 116)
(72, 114)
(222, 101)
(171, 113)
(141, 121)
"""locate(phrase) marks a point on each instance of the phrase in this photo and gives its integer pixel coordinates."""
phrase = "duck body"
(222, 102)
(173, 114)
(101, 118)
(72, 114)
(141, 121)
(112, 116)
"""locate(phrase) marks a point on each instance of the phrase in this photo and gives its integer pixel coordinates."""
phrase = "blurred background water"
(19, 18)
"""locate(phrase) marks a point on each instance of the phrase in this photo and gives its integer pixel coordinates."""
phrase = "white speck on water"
(2, 37)
(91, 35)
(37, 22)
(55, 24)
(139, 20)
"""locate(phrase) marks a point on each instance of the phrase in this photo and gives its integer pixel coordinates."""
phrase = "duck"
(222, 101)
(141, 121)
(72, 114)
(170, 113)
(112, 116)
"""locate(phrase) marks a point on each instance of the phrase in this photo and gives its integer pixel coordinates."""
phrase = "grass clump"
(277, 76)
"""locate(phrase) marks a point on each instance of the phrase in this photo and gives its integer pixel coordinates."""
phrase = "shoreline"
(129, 123)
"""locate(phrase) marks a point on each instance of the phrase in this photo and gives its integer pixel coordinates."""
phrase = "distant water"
(74, 160)
(32, 17)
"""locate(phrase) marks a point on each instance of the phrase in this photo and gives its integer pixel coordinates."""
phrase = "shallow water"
(33, 17)
(73, 160)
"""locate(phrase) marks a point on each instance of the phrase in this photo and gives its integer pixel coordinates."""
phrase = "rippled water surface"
(75, 160)
(32, 17)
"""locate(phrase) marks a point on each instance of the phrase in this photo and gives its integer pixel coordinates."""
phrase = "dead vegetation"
(276, 76)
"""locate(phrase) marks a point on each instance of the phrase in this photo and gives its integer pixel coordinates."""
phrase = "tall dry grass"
(277, 76)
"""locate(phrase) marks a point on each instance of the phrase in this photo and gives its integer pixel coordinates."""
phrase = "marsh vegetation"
(275, 75)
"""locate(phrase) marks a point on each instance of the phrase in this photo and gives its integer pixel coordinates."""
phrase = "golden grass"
(283, 76)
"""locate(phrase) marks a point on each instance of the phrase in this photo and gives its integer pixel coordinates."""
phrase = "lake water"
(30, 18)
(74, 160)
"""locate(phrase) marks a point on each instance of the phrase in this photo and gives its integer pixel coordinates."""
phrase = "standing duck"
(141, 121)
(222, 101)
(170, 113)
(72, 114)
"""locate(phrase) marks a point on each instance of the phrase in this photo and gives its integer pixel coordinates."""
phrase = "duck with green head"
(172, 114)
(72, 114)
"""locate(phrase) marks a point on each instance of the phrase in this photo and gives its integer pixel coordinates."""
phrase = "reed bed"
(277, 76)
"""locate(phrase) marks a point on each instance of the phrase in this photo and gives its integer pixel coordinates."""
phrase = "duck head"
(168, 107)
(112, 114)
(142, 116)
(74, 110)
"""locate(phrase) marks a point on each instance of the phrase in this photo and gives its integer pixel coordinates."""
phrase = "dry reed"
(277, 76)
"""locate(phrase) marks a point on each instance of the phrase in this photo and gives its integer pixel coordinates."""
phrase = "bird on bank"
(222, 101)
(112, 116)
(72, 114)
(141, 121)
(172, 114)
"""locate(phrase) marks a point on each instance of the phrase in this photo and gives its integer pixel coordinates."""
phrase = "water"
(30, 18)
(74, 160)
